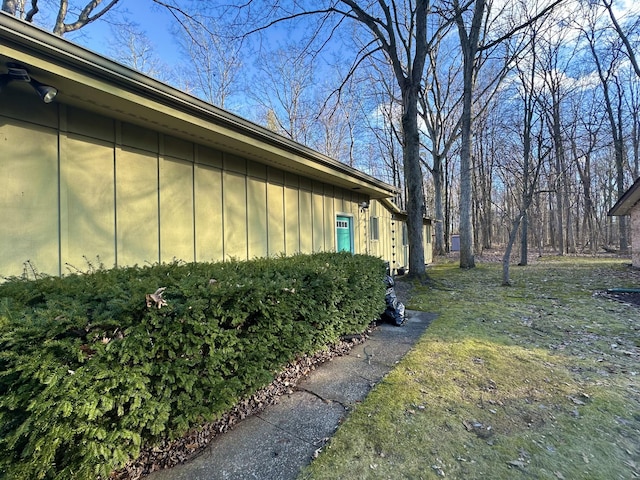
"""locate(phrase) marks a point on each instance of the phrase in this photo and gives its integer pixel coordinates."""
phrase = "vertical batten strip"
(159, 155)
(117, 150)
(195, 152)
(62, 133)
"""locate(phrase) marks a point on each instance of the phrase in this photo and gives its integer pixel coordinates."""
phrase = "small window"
(375, 233)
(405, 234)
(342, 224)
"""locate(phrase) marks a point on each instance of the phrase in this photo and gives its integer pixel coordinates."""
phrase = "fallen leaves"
(481, 430)
(171, 453)
(155, 299)
(579, 401)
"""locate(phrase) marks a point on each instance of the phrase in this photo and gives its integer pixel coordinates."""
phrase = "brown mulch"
(171, 453)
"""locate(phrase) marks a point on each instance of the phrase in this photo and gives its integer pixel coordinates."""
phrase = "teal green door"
(344, 233)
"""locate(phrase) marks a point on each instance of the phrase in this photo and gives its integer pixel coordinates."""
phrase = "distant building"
(629, 204)
(98, 160)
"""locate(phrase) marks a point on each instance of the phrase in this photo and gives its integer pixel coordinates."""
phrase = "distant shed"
(629, 204)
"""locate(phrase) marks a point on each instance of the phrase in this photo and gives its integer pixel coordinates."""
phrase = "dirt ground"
(624, 297)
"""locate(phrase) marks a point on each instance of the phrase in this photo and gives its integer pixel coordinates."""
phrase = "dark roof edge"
(627, 200)
(394, 209)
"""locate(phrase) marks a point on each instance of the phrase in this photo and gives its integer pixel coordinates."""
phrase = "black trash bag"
(394, 312)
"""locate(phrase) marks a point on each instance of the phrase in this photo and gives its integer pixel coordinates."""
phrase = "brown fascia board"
(88, 80)
(627, 201)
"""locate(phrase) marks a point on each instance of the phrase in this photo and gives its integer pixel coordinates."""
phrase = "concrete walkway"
(279, 441)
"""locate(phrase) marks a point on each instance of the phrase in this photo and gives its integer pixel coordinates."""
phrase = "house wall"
(427, 235)
(635, 235)
(391, 243)
(78, 187)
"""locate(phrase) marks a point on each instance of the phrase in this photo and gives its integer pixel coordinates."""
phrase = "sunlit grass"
(537, 380)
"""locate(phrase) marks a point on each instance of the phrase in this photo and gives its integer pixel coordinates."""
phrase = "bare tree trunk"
(438, 102)
(538, 231)
(12, 6)
(467, 258)
(438, 185)
(530, 181)
(582, 160)
(524, 243)
(570, 240)
(447, 209)
(618, 145)
(413, 181)
(483, 185)
(589, 212)
(552, 224)
(526, 157)
(469, 44)
(558, 172)
(513, 233)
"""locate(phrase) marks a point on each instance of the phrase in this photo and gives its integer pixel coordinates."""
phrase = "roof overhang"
(92, 82)
(627, 201)
(398, 212)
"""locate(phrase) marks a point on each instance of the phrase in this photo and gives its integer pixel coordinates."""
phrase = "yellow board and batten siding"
(98, 188)
(391, 243)
(29, 197)
(208, 214)
(122, 169)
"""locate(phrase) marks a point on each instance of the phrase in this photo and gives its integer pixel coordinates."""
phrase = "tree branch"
(31, 13)
(512, 32)
(623, 37)
(83, 19)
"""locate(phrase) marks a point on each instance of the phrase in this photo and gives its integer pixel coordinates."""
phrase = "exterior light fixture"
(20, 74)
(46, 92)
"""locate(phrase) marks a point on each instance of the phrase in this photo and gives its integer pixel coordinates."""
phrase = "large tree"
(532, 154)
(440, 105)
(469, 42)
(397, 35)
(478, 37)
(607, 64)
(399, 30)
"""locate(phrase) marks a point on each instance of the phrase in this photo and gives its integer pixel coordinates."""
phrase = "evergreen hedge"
(89, 373)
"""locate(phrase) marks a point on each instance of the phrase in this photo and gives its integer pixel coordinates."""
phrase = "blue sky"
(155, 22)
